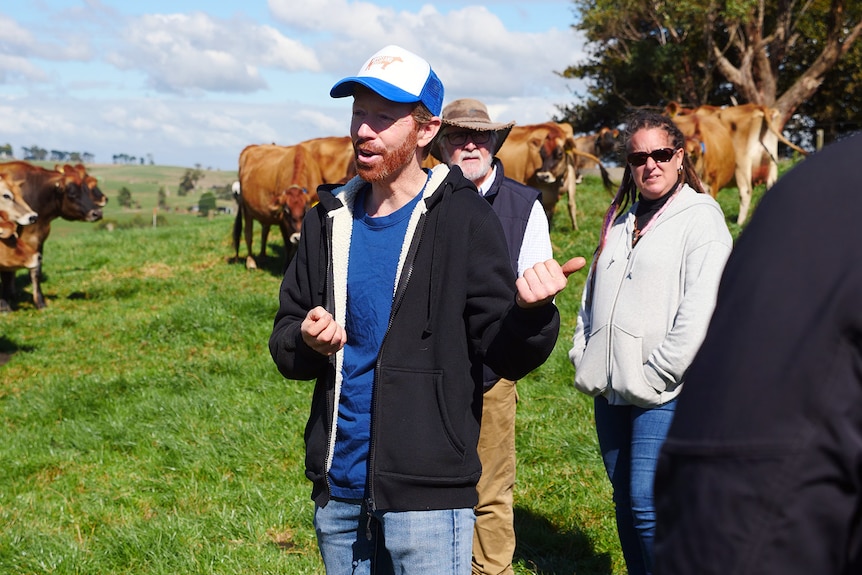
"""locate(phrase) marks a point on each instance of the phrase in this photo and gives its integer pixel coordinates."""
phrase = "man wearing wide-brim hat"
(470, 140)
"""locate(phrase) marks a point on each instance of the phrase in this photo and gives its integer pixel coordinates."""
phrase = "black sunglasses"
(478, 137)
(661, 156)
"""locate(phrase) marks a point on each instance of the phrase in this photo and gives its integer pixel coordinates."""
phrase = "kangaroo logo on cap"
(383, 61)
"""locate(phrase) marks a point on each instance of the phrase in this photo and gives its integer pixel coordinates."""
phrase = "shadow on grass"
(547, 550)
(274, 263)
(22, 290)
(8, 348)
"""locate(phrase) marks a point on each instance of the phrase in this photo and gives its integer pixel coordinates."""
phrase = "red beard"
(393, 161)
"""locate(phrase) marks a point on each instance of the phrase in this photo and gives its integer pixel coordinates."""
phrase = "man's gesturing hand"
(542, 282)
(321, 332)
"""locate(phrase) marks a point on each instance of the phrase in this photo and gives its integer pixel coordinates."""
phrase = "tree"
(125, 197)
(34, 153)
(163, 198)
(649, 52)
(207, 203)
(836, 107)
(189, 180)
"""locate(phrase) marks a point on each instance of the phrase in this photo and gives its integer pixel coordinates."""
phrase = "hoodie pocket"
(416, 435)
(591, 373)
(627, 370)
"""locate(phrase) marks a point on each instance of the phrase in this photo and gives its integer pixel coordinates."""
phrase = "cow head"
(88, 182)
(606, 141)
(694, 149)
(552, 151)
(12, 203)
(76, 201)
(294, 205)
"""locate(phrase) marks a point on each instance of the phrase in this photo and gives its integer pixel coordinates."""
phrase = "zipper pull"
(368, 505)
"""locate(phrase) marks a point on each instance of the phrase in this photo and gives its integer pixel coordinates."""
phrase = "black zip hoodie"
(453, 310)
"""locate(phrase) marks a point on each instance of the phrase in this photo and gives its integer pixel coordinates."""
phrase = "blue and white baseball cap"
(397, 75)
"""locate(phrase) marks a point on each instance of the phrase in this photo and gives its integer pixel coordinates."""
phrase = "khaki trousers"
(494, 532)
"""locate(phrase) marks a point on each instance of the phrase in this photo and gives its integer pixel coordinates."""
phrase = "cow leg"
(291, 243)
(772, 176)
(770, 145)
(249, 238)
(570, 184)
(264, 238)
(8, 288)
(36, 282)
(237, 231)
(550, 197)
(743, 183)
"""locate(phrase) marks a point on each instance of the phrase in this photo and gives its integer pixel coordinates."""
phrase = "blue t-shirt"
(375, 247)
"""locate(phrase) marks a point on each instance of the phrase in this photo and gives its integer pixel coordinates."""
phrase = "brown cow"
(597, 144)
(535, 155)
(710, 147)
(755, 138)
(334, 155)
(543, 156)
(274, 182)
(14, 207)
(52, 194)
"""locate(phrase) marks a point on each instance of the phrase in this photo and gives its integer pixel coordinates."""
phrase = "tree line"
(38, 153)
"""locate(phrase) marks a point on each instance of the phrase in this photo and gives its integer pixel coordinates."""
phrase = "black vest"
(512, 202)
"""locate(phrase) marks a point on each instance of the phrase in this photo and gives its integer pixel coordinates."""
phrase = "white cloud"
(337, 16)
(190, 53)
(470, 48)
(15, 66)
(16, 40)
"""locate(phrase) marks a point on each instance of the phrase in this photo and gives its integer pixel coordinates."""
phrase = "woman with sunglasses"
(644, 312)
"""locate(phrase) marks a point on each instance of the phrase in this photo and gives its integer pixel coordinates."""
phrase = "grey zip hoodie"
(651, 305)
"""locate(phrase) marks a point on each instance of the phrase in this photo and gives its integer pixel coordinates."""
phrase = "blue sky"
(193, 82)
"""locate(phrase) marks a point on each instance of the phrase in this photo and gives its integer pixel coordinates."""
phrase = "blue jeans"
(403, 542)
(630, 439)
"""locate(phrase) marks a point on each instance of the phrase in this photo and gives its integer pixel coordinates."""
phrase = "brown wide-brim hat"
(470, 114)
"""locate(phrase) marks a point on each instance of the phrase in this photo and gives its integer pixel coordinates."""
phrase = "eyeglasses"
(478, 137)
(660, 156)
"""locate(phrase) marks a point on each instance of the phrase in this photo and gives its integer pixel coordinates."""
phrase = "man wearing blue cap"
(400, 291)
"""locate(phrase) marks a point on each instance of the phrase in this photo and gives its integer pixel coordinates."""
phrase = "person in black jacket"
(400, 291)
(761, 472)
(470, 140)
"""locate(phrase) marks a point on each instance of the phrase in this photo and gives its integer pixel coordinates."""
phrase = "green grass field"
(147, 431)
